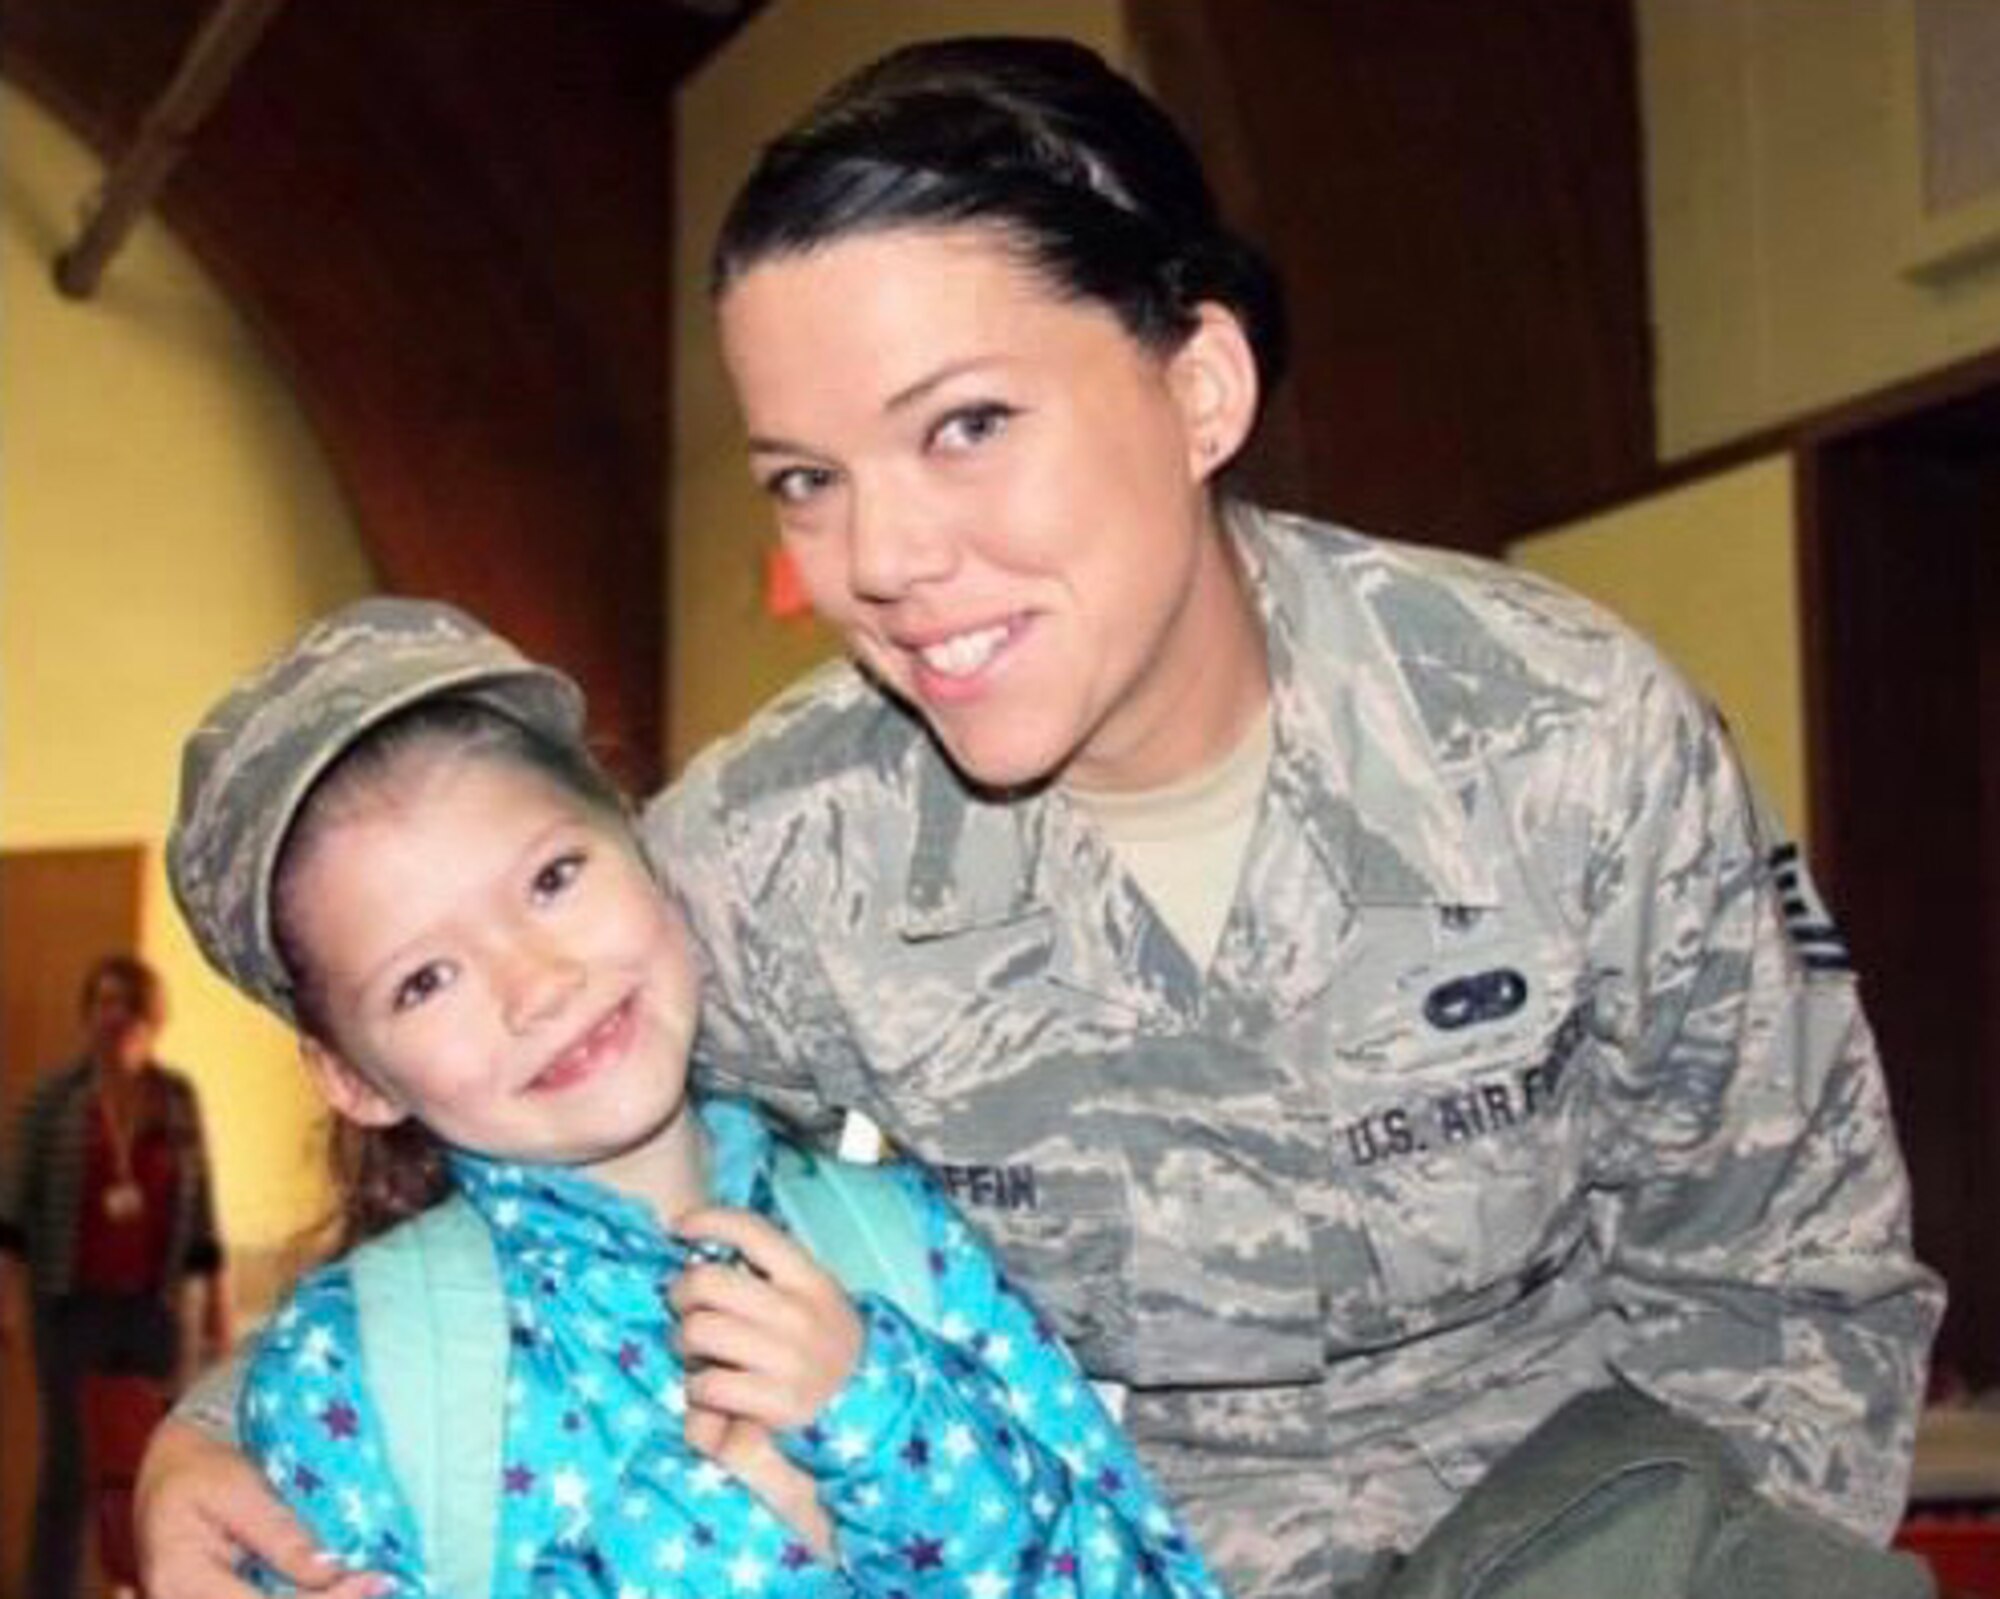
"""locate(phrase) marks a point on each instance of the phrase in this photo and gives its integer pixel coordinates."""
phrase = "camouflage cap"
(246, 769)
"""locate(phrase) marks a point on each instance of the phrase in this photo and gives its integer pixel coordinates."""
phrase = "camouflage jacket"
(1513, 1069)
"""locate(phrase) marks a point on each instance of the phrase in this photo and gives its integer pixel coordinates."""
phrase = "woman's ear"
(346, 1088)
(1213, 376)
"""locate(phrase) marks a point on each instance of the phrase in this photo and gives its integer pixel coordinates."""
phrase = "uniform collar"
(1353, 763)
(557, 1207)
(1353, 766)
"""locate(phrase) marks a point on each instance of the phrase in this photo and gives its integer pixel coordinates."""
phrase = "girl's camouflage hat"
(249, 765)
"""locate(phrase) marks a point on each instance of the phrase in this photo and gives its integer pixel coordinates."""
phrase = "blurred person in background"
(108, 1253)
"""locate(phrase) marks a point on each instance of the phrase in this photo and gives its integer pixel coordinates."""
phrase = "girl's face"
(1000, 498)
(497, 962)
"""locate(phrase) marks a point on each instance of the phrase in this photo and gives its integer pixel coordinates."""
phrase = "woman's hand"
(199, 1507)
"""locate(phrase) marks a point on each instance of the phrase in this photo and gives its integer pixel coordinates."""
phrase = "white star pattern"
(354, 1510)
(580, 1424)
(569, 1489)
(708, 1478)
(316, 1351)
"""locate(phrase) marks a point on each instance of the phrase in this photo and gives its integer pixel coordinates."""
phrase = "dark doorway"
(1902, 552)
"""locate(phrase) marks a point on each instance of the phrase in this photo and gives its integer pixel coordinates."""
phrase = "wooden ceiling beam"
(214, 56)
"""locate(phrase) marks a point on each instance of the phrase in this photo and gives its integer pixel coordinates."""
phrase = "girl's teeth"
(965, 654)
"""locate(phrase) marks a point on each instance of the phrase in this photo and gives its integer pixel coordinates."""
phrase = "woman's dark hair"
(1072, 164)
(384, 1175)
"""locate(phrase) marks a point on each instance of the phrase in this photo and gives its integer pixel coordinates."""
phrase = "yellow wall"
(1707, 572)
(725, 655)
(167, 522)
(1782, 180)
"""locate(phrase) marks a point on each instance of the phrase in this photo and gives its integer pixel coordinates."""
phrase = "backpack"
(434, 1337)
(1615, 1494)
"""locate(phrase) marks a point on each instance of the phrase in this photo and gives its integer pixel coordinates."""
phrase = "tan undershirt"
(1184, 843)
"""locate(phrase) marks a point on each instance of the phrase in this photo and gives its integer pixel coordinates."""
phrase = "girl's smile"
(601, 1046)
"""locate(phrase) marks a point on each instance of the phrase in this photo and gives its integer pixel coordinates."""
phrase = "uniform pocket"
(1067, 1243)
(1466, 1178)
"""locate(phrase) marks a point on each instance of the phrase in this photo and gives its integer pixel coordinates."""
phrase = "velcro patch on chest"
(1479, 997)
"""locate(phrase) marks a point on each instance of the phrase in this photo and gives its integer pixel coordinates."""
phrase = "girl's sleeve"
(977, 1459)
(306, 1420)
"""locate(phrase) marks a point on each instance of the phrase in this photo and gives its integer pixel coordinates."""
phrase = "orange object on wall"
(784, 594)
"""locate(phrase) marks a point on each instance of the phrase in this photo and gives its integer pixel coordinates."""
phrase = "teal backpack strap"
(434, 1345)
(860, 1224)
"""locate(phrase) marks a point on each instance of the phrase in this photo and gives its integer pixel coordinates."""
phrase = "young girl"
(395, 838)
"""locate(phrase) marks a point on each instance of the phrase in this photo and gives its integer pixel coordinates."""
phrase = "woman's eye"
(795, 485)
(421, 985)
(971, 426)
(557, 875)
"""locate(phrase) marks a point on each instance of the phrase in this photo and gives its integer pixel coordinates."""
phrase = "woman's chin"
(1003, 761)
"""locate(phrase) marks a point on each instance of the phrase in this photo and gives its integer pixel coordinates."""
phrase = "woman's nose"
(893, 544)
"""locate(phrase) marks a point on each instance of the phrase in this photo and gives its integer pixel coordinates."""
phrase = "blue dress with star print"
(969, 1458)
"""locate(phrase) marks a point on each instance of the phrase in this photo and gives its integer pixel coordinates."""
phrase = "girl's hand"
(746, 1450)
(770, 1340)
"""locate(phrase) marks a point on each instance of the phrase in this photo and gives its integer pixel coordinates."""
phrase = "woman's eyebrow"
(903, 398)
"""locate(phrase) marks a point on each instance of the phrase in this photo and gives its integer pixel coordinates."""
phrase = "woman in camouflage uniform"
(1353, 984)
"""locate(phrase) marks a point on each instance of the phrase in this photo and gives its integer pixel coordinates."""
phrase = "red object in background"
(119, 1415)
(784, 595)
(1963, 1552)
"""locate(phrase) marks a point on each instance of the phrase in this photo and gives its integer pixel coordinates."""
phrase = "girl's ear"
(1214, 379)
(346, 1088)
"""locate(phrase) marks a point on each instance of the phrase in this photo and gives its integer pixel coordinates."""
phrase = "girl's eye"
(795, 485)
(557, 875)
(972, 425)
(420, 986)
